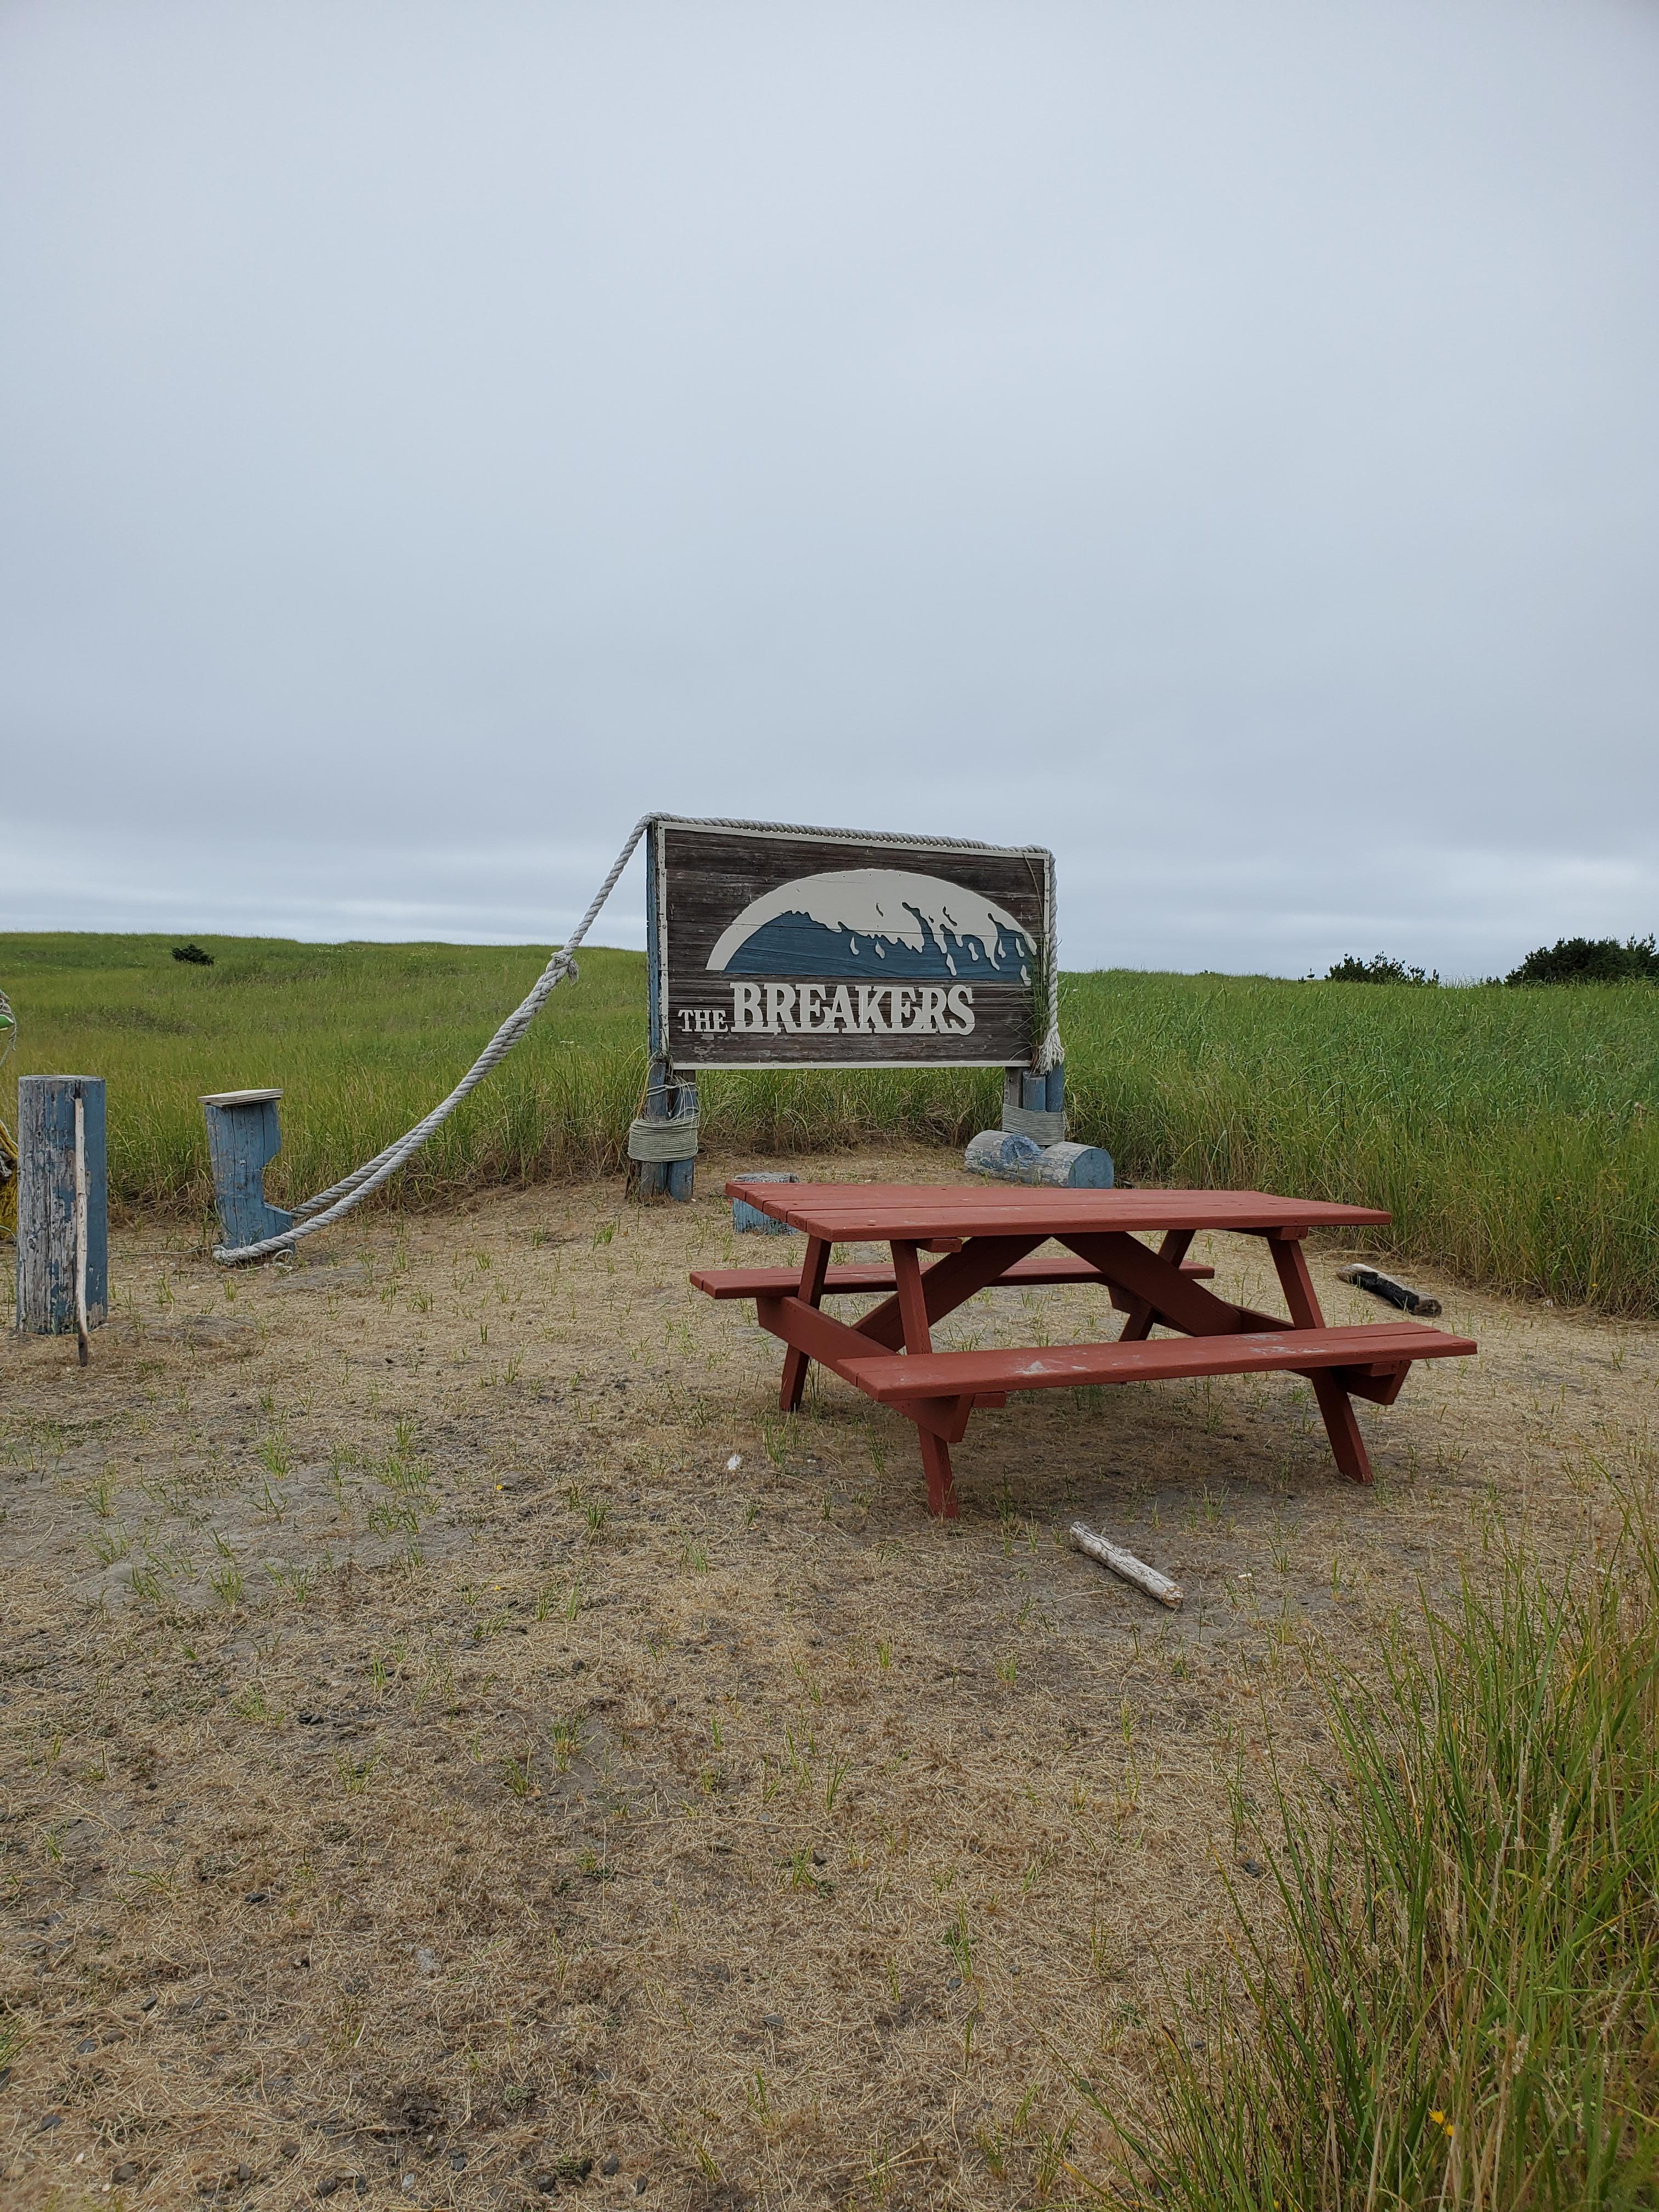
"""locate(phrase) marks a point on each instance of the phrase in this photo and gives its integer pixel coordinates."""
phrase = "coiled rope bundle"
(328, 1206)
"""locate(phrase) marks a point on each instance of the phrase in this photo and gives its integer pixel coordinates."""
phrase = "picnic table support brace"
(1142, 1316)
(946, 1284)
(1186, 1306)
(792, 1388)
(1341, 1424)
(912, 1300)
(1176, 1300)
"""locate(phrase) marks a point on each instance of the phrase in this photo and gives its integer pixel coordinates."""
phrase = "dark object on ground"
(1379, 968)
(194, 954)
(1590, 960)
(1384, 1287)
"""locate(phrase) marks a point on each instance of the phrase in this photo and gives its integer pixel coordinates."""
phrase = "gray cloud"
(1215, 441)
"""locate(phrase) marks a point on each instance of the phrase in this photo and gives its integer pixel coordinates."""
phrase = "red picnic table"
(990, 1238)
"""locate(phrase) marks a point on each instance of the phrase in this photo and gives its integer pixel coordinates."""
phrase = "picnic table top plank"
(892, 1378)
(849, 1213)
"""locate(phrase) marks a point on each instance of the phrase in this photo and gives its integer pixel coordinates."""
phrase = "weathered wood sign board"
(822, 949)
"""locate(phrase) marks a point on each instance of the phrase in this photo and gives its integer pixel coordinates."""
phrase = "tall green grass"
(1459, 2005)
(1513, 1135)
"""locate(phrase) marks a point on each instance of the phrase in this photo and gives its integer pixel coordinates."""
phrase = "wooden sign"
(775, 948)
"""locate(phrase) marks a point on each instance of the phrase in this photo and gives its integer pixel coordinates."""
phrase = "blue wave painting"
(869, 922)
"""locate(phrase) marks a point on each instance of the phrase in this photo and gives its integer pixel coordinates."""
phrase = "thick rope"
(328, 1206)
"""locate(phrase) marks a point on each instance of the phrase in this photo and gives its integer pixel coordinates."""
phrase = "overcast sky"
(1220, 442)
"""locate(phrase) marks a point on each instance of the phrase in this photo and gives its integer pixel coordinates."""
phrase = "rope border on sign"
(329, 1206)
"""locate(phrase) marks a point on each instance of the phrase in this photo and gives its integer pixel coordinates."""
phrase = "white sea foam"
(888, 906)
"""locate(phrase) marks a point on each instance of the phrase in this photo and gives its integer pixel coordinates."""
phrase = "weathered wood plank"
(873, 1212)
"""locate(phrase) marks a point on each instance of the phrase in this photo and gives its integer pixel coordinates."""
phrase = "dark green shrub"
(1379, 968)
(194, 954)
(1590, 960)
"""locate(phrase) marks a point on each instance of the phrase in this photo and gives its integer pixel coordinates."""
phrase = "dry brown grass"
(428, 1765)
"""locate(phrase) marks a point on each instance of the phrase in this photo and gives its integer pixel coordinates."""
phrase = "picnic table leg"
(814, 1268)
(919, 1337)
(1139, 1326)
(1341, 1426)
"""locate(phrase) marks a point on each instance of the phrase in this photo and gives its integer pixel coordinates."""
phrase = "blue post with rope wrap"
(331, 1205)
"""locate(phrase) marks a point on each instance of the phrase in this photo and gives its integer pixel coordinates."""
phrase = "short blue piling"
(244, 1135)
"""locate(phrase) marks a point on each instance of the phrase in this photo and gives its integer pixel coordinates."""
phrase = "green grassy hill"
(1513, 1135)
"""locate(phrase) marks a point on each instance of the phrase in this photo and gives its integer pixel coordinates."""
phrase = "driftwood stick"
(80, 1227)
(1126, 1566)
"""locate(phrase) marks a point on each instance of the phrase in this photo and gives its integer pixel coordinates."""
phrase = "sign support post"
(666, 1101)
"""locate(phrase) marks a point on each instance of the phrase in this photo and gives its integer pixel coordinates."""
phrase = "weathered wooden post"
(665, 1156)
(62, 1205)
(244, 1135)
(663, 1142)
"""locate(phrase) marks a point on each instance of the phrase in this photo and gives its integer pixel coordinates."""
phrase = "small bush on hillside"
(1379, 968)
(194, 954)
(1590, 960)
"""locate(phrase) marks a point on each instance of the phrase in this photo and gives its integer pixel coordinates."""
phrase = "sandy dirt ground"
(463, 1747)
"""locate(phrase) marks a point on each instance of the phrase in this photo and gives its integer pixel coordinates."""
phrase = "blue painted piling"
(1076, 1167)
(1034, 1106)
(749, 1220)
(1012, 1157)
(46, 1238)
(1002, 1153)
(244, 1135)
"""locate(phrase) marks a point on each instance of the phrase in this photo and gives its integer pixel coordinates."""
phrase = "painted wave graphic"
(874, 921)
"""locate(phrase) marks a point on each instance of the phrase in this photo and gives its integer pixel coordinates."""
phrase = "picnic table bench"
(991, 1239)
